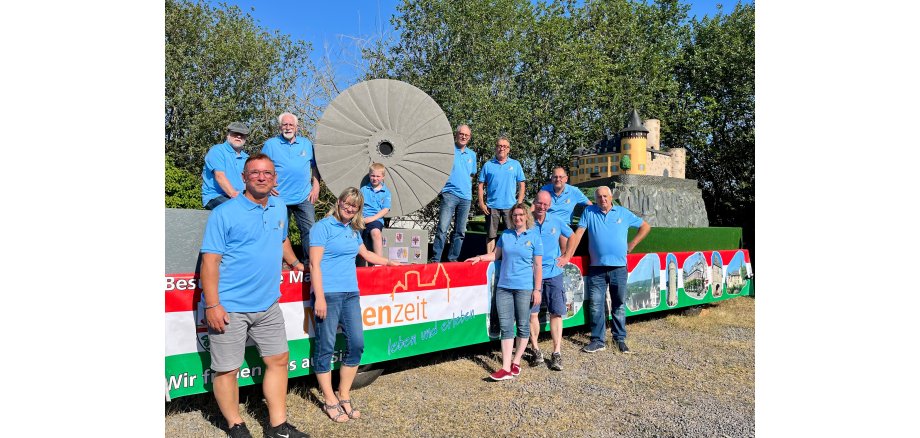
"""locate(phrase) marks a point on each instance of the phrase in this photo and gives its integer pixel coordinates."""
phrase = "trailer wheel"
(366, 375)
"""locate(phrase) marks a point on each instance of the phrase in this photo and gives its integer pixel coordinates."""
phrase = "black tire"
(366, 375)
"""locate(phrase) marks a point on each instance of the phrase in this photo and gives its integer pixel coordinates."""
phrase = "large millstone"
(392, 123)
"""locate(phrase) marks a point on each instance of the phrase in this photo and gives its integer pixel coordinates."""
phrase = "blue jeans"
(304, 216)
(513, 305)
(456, 209)
(215, 201)
(598, 281)
(342, 308)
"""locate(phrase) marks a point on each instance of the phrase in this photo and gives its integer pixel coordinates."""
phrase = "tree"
(222, 67)
(716, 72)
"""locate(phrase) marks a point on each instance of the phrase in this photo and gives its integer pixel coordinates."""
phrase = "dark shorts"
(375, 225)
(495, 216)
(553, 296)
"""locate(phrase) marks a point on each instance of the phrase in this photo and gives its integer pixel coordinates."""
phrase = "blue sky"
(332, 26)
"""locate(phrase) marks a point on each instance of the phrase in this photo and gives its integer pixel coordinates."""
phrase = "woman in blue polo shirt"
(519, 280)
(335, 241)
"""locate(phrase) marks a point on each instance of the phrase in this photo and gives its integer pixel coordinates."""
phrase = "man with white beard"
(297, 176)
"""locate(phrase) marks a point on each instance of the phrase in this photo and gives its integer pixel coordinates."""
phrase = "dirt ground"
(690, 375)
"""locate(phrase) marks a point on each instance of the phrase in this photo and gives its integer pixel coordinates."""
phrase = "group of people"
(253, 197)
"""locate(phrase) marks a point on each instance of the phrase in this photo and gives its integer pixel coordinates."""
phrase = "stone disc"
(392, 123)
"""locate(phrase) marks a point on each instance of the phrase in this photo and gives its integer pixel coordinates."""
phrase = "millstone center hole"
(385, 148)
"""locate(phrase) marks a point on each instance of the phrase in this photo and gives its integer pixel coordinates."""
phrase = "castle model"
(640, 144)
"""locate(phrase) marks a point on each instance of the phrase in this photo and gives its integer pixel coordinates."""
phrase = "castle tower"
(633, 143)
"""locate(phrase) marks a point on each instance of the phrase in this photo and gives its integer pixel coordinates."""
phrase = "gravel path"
(689, 376)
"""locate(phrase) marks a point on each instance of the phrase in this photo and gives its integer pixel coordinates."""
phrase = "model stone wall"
(661, 201)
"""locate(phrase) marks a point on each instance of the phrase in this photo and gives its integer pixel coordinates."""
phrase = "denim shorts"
(265, 328)
(342, 308)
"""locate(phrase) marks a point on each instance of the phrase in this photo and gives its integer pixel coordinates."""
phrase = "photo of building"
(573, 283)
(736, 274)
(717, 278)
(671, 279)
(643, 283)
(696, 281)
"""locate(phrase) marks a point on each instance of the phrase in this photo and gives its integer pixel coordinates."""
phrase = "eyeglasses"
(460, 134)
(348, 207)
(518, 214)
(558, 176)
(237, 134)
(501, 146)
(285, 125)
(256, 173)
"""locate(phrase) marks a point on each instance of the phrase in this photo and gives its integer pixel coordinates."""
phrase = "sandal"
(335, 408)
(354, 414)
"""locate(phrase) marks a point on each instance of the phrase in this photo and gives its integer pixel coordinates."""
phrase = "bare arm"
(316, 280)
(210, 273)
(520, 196)
(314, 190)
(571, 245)
(482, 202)
(379, 215)
(537, 280)
(374, 258)
(224, 183)
(643, 231)
(287, 253)
(492, 256)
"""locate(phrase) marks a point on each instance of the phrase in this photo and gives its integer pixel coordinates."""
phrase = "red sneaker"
(515, 369)
(501, 374)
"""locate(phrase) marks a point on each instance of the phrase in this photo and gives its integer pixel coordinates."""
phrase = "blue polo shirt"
(223, 158)
(248, 237)
(563, 206)
(459, 182)
(607, 234)
(293, 164)
(518, 252)
(374, 201)
(549, 231)
(340, 244)
(501, 182)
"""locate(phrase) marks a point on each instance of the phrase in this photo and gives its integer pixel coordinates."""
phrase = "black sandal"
(354, 414)
(338, 408)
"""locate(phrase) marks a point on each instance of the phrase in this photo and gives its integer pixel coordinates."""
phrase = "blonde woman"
(335, 241)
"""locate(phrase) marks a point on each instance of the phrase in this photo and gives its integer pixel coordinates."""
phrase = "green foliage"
(625, 163)
(557, 76)
(222, 67)
(183, 189)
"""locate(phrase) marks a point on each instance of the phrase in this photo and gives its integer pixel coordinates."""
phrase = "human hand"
(217, 317)
(562, 261)
(319, 307)
(474, 260)
(537, 297)
(314, 194)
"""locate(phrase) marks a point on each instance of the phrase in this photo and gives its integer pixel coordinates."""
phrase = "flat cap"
(238, 127)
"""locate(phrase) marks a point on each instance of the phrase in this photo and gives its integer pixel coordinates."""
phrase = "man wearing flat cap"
(222, 175)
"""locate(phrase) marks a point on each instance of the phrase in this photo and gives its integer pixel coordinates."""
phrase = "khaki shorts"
(266, 329)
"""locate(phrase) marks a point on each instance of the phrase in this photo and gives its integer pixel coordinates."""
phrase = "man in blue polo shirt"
(298, 178)
(501, 175)
(221, 177)
(564, 196)
(554, 234)
(245, 240)
(456, 197)
(607, 227)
